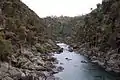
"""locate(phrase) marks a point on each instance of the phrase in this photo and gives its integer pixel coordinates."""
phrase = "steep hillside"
(98, 35)
(24, 45)
(58, 28)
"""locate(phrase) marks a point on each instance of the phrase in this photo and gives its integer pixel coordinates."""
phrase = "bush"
(5, 49)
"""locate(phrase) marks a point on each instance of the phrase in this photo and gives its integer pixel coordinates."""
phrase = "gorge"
(85, 47)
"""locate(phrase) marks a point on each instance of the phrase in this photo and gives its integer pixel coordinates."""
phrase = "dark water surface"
(76, 68)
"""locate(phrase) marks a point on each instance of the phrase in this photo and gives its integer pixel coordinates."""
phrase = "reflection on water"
(77, 67)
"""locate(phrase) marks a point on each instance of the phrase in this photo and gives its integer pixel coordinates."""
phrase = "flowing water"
(77, 67)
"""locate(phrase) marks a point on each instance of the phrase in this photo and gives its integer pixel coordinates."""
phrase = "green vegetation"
(20, 27)
(5, 48)
(58, 27)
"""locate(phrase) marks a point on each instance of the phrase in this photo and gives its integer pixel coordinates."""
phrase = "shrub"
(5, 49)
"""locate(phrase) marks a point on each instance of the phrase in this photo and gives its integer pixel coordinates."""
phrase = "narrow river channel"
(78, 67)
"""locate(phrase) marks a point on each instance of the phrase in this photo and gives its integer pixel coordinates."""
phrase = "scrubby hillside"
(98, 35)
(58, 28)
(24, 45)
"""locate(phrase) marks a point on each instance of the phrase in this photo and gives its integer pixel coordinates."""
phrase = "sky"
(61, 7)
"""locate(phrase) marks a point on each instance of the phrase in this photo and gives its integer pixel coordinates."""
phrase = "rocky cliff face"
(99, 35)
(24, 45)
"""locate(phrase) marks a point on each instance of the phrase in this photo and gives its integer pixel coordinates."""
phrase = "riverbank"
(109, 60)
(29, 65)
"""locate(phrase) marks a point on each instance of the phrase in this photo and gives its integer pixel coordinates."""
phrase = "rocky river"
(78, 67)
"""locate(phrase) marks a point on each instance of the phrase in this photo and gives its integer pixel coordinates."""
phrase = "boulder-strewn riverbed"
(78, 67)
(28, 66)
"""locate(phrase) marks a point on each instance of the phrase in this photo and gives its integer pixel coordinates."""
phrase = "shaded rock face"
(60, 51)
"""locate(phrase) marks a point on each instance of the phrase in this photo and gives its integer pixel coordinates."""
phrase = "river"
(78, 67)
